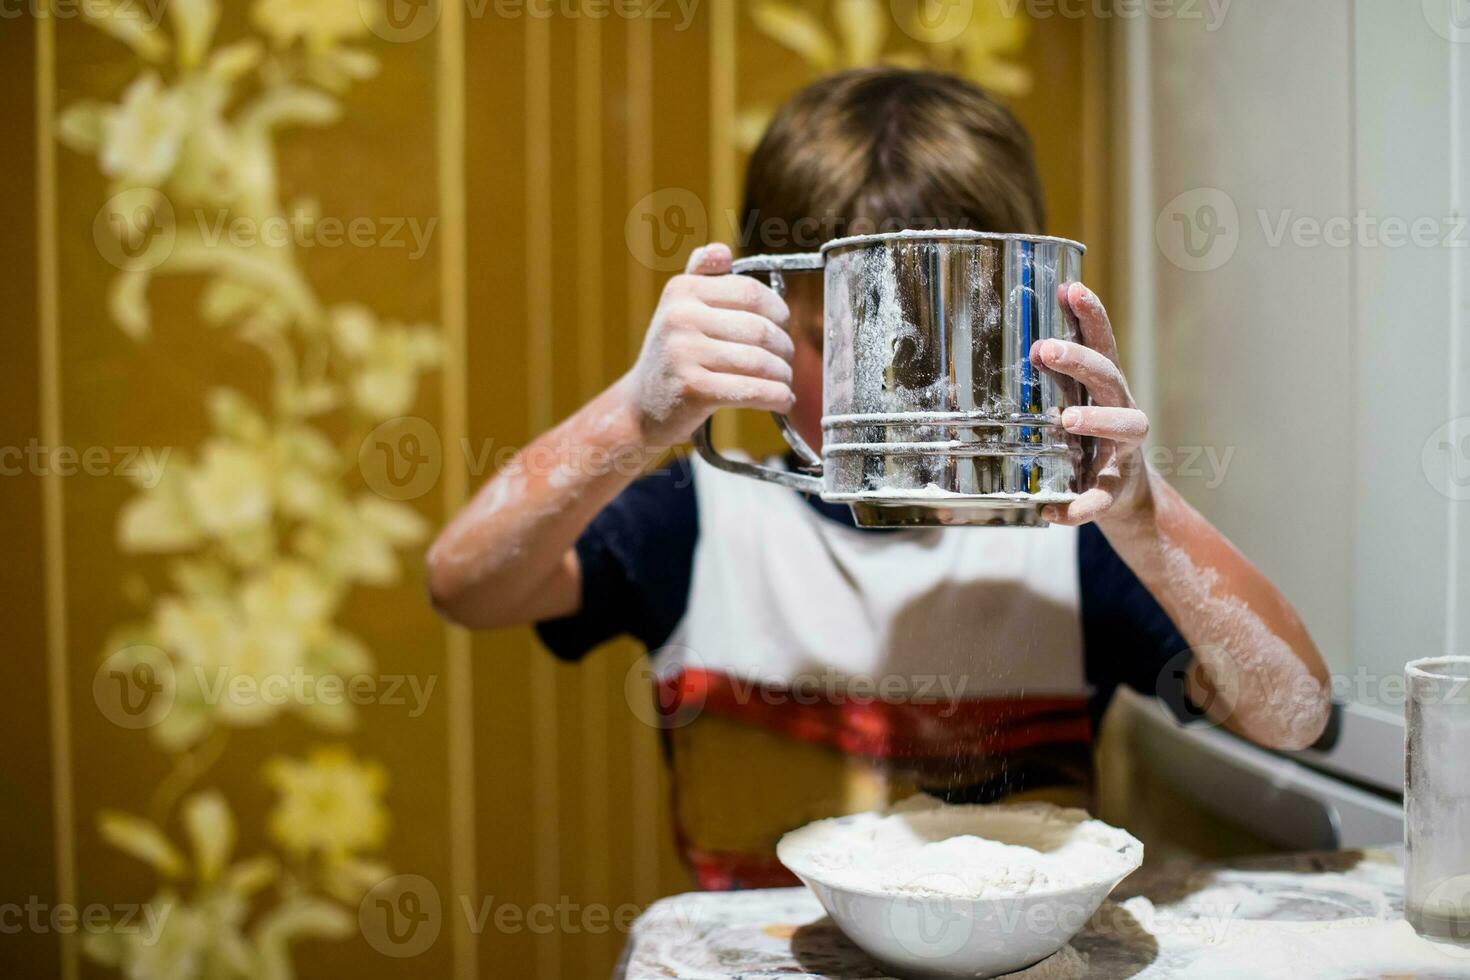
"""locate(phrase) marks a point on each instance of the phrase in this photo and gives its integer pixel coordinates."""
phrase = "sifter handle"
(809, 480)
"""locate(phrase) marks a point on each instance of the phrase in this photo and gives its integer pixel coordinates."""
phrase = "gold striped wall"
(530, 140)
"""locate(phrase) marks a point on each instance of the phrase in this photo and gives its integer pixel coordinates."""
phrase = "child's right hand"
(717, 340)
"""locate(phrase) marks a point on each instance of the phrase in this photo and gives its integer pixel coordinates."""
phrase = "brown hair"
(883, 149)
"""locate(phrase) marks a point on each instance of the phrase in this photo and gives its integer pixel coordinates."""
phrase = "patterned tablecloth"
(1298, 917)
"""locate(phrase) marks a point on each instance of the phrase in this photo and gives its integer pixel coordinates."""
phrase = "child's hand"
(1118, 483)
(716, 341)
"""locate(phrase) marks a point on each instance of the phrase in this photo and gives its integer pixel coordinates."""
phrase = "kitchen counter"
(1337, 914)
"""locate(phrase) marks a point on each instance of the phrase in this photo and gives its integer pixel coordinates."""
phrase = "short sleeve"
(637, 560)
(1127, 636)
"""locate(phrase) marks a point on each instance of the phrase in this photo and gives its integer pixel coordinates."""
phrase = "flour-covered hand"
(1118, 481)
(717, 340)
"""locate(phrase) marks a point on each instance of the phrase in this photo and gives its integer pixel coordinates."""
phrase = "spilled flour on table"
(1226, 942)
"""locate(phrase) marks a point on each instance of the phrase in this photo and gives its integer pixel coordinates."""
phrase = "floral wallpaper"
(250, 829)
(978, 39)
(263, 527)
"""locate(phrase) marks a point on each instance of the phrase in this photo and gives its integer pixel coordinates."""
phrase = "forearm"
(715, 341)
(503, 558)
(1253, 656)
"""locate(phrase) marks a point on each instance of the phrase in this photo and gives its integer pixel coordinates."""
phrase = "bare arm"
(507, 557)
(1255, 665)
(716, 341)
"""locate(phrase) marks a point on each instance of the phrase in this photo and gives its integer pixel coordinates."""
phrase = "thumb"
(709, 260)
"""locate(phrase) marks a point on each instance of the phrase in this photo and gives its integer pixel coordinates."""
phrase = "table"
(1337, 914)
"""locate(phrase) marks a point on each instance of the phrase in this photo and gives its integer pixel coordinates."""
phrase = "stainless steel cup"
(932, 411)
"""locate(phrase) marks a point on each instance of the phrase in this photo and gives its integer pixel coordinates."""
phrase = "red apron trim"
(722, 872)
(878, 728)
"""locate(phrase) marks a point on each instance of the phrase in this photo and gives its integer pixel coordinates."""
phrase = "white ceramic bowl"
(926, 926)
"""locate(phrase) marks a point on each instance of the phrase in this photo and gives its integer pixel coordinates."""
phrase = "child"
(816, 668)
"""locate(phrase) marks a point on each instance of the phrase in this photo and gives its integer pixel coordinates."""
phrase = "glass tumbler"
(1437, 798)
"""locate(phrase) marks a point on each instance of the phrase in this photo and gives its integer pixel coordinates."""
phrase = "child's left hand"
(1118, 482)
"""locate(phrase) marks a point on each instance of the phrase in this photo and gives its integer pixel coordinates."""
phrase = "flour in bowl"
(922, 848)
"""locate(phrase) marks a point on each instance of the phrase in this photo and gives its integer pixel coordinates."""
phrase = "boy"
(823, 669)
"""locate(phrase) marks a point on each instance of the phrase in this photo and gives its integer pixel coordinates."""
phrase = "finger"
(1100, 376)
(713, 259)
(1069, 314)
(1092, 320)
(1089, 506)
(740, 327)
(1124, 425)
(735, 391)
(742, 293)
(723, 357)
(1072, 393)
